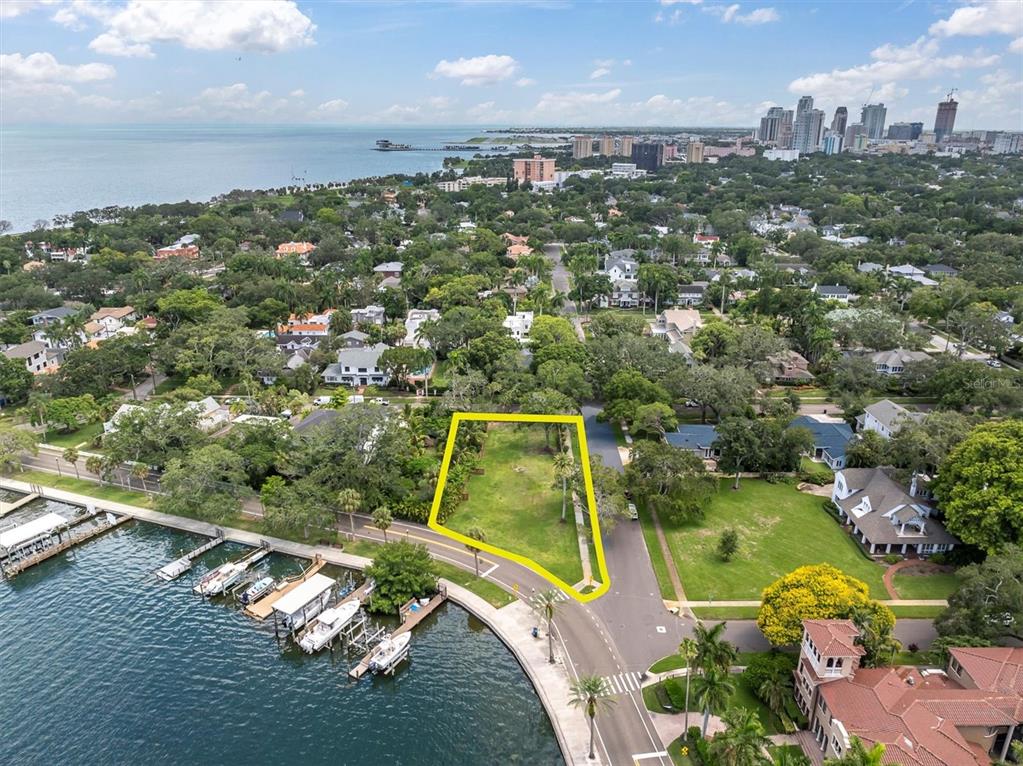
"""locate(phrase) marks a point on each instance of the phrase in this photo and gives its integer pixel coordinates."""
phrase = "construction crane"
(951, 93)
(869, 96)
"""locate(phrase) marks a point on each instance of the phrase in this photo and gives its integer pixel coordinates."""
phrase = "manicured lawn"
(657, 561)
(743, 697)
(675, 751)
(926, 586)
(105, 492)
(73, 438)
(917, 612)
(516, 503)
(674, 662)
(726, 612)
(779, 529)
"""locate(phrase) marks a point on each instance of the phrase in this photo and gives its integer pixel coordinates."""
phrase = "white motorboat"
(257, 590)
(327, 625)
(216, 581)
(389, 651)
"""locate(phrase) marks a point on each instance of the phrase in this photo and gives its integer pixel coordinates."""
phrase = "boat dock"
(6, 508)
(179, 566)
(412, 613)
(264, 607)
(35, 541)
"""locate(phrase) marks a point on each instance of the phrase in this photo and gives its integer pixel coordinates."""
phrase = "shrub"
(768, 665)
(913, 648)
(662, 697)
(676, 693)
(939, 558)
(892, 558)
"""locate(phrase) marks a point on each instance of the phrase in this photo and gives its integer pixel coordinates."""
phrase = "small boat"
(215, 582)
(383, 145)
(327, 625)
(389, 651)
(257, 590)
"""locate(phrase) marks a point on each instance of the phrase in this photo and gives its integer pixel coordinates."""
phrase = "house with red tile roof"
(965, 715)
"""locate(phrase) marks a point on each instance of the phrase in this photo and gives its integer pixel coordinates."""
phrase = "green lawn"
(674, 662)
(926, 586)
(779, 529)
(73, 438)
(91, 488)
(917, 612)
(726, 612)
(516, 504)
(743, 697)
(653, 547)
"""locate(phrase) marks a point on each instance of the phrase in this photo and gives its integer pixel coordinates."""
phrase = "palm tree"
(563, 469)
(774, 690)
(71, 456)
(382, 519)
(590, 693)
(858, 755)
(714, 690)
(479, 536)
(712, 650)
(350, 500)
(546, 603)
(743, 742)
(687, 651)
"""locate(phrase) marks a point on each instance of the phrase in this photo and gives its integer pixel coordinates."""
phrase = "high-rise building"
(905, 131)
(872, 118)
(851, 131)
(607, 145)
(694, 153)
(625, 146)
(805, 105)
(1008, 143)
(832, 143)
(648, 156)
(840, 120)
(582, 147)
(808, 131)
(670, 152)
(769, 125)
(784, 140)
(536, 169)
(945, 119)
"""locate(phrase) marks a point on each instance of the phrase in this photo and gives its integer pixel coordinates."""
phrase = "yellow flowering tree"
(817, 592)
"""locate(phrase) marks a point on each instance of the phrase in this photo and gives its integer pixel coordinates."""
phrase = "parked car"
(380, 400)
(993, 363)
(321, 400)
(633, 513)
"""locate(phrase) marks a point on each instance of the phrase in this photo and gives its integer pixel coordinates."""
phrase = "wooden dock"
(264, 607)
(6, 508)
(412, 613)
(179, 566)
(73, 539)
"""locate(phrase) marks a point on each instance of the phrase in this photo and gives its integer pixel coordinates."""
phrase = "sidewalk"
(890, 602)
(512, 623)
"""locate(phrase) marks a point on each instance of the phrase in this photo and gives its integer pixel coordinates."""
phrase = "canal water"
(102, 663)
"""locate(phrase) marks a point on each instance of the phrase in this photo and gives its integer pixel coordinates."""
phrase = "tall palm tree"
(712, 650)
(591, 694)
(687, 651)
(564, 467)
(774, 690)
(382, 519)
(479, 536)
(714, 690)
(743, 742)
(546, 604)
(349, 501)
(71, 456)
(858, 755)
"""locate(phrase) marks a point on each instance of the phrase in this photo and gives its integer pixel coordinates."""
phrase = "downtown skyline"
(661, 62)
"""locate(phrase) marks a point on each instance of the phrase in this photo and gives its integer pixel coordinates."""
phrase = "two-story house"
(368, 315)
(886, 418)
(894, 361)
(519, 324)
(389, 270)
(413, 321)
(358, 367)
(886, 518)
(34, 354)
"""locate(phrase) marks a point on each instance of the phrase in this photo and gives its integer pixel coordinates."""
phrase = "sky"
(505, 62)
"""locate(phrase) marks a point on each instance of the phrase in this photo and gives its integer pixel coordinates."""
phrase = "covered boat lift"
(299, 605)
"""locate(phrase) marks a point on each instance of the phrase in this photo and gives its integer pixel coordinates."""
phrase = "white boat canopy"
(45, 524)
(293, 602)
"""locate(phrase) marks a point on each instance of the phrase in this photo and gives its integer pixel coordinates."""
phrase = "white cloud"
(998, 100)
(11, 8)
(44, 68)
(599, 72)
(573, 103)
(672, 18)
(75, 13)
(487, 112)
(298, 93)
(333, 106)
(112, 45)
(268, 26)
(1016, 46)
(479, 70)
(440, 103)
(681, 2)
(524, 82)
(731, 14)
(919, 60)
(235, 102)
(1001, 17)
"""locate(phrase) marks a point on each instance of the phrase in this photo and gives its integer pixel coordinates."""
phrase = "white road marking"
(485, 574)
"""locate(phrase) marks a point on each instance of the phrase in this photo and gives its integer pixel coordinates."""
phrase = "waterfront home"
(358, 367)
(964, 715)
(212, 414)
(886, 418)
(884, 517)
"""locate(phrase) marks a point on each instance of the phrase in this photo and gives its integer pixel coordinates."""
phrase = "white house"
(368, 315)
(358, 367)
(34, 354)
(212, 414)
(519, 324)
(413, 322)
(886, 418)
(894, 362)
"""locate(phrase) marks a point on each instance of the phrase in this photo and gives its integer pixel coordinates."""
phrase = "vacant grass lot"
(926, 586)
(82, 436)
(516, 503)
(779, 529)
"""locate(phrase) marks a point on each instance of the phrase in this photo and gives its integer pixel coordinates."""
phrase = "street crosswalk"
(622, 683)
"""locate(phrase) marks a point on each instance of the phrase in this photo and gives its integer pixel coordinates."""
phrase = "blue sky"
(642, 62)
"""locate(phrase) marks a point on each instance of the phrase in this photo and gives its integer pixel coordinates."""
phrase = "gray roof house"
(938, 270)
(695, 438)
(894, 362)
(886, 418)
(354, 338)
(50, 316)
(692, 295)
(834, 293)
(368, 315)
(886, 518)
(830, 438)
(358, 367)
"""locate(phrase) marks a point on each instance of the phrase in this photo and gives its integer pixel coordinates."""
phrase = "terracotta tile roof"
(834, 638)
(995, 668)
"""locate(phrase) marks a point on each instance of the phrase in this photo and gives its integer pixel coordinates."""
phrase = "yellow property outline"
(591, 502)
